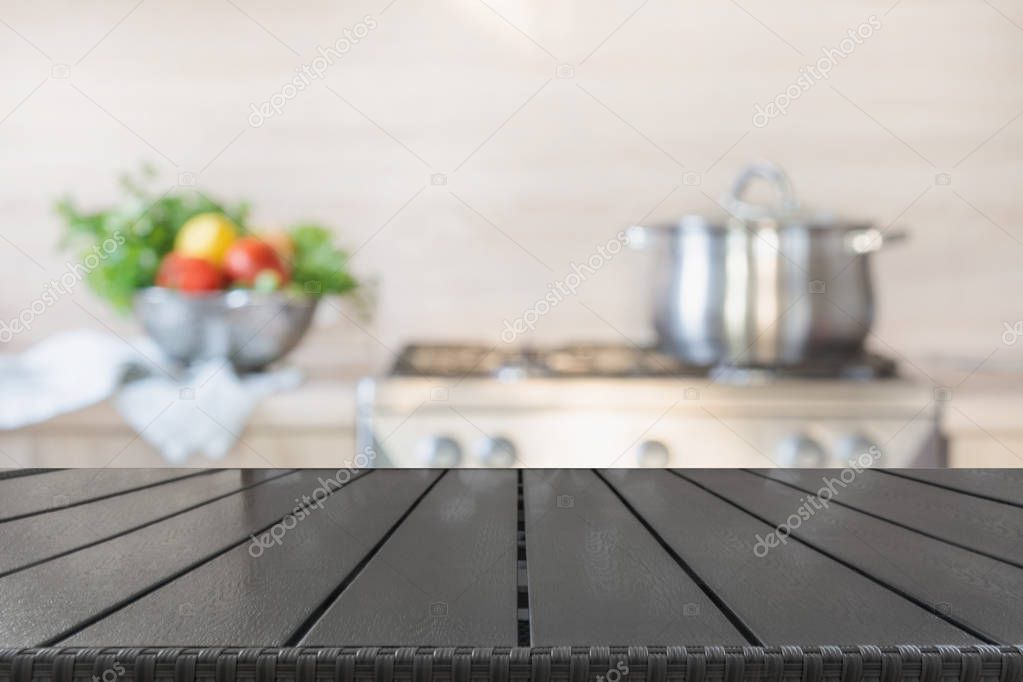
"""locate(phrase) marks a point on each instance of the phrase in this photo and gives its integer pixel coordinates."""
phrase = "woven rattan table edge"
(516, 664)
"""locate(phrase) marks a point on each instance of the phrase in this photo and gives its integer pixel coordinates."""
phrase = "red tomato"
(248, 257)
(189, 274)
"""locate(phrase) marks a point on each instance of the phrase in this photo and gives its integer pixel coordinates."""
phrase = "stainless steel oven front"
(677, 422)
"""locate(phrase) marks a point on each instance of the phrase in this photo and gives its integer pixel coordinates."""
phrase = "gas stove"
(616, 405)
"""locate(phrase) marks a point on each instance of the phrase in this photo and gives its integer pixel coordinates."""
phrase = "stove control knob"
(439, 451)
(800, 450)
(653, 454)
(496, 452)
(861, 450)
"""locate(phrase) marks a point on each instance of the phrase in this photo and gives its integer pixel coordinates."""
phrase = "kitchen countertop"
(320, 402)
(981, 418)
(991, 400)
(313, 425)
(981, 414)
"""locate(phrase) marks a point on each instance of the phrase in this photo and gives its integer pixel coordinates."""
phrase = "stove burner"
(615, 361)
(583, 360)
(447, 360)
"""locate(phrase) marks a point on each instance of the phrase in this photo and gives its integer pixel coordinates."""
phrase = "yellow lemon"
(206, 236)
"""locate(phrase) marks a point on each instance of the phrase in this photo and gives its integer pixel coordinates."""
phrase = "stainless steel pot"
(763, 285)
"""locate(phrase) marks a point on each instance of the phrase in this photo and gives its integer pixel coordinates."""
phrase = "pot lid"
(785, 211)
(742, 214)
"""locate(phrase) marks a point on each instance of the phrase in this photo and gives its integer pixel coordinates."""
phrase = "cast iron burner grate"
(616, 361)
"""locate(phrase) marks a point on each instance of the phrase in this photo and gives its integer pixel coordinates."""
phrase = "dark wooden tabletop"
(503, 558)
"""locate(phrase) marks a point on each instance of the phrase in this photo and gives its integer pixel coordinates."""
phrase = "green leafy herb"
(318, 266)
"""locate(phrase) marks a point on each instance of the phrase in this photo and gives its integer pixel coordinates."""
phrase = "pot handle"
(871, 239)
(774, 175)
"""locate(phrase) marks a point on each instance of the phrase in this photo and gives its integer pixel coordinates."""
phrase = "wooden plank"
(447, 576)
(261, 593)
(51, 490)
(992, 528)
(53, 599)
(32, 539)
(791, 594)
(597, 576)
(1003, 485)
(981, 594)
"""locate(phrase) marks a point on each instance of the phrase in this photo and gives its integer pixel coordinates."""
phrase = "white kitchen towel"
(202, 410)
(61, 374)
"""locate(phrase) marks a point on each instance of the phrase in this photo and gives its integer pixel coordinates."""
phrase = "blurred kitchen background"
(469, 152)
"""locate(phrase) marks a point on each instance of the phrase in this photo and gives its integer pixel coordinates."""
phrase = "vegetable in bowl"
(188, 241)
